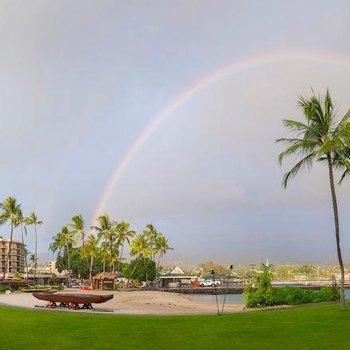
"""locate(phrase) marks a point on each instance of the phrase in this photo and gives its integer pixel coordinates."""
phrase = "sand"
(131, 302)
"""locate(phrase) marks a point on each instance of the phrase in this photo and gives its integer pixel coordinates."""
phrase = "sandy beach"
(131, 302)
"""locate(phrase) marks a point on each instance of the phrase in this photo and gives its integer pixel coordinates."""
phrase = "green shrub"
(327, 294)
(287, 296)
(4, 288)
(296, 296)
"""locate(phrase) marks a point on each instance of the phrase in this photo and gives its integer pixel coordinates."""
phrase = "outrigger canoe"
(72, 301)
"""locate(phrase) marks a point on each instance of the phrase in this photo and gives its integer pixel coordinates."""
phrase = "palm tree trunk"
(337, 232)
(129, 278)
(25, 251)
(120, 259)
(91, 266)
(36, 252)
(104, 258)
(144, 263)
(7, 267)
(68, 261)
(158, 264)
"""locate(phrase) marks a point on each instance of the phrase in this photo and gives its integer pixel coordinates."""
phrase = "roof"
(176, 271)
(105, 276)
(169, 276)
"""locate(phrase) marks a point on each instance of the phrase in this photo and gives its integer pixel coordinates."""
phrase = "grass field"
(308, 327)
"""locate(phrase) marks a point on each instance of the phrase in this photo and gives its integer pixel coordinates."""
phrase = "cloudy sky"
(166, 112)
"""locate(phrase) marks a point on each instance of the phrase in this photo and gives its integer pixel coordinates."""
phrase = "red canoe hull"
(67, 298)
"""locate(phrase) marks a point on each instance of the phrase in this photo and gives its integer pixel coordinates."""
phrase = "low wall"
(220, 290)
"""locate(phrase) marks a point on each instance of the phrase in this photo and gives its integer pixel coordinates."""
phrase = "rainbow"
(234, 67)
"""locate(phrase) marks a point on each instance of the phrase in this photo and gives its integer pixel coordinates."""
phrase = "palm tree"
(69, 239)
(78, 227)
(64, 240)
(151, 234)
(104, 232)
(140, 247)
(321, 138)
(10, 212)
(22, 222)
(113, 256)
(123, 234)
(91, 250)
(57, 244)
(32, 259)
(33, 220)
(162, 247)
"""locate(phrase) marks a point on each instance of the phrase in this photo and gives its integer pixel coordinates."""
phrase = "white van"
(209, 283)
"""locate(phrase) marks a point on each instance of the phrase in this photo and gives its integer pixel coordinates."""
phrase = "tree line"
(11, 213)
(103, 250)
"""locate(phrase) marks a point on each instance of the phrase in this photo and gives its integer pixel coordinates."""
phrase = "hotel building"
(17, 257)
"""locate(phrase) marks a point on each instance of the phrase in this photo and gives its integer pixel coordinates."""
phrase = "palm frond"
(343, 123)
(341, 161)
(294, 125)
(288, 140)
(343, 176)
(325, 148)
(302, 147)
(306, 161)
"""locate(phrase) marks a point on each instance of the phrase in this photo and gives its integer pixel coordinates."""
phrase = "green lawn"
(310, 327)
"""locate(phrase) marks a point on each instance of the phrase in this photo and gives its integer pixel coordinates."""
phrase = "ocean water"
(232, 298)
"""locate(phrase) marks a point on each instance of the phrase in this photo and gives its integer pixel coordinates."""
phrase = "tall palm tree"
(64, 240)
(91, 250)
(78, 227)
(140, 247)
(162, 246)
(9, 212)
(104, 232)
(32, 259)
(151, 234)
(123, 234)
(57, 244)
(113, 256)
(33, 220)
(321, 138)
(69, 240)
(22, 221)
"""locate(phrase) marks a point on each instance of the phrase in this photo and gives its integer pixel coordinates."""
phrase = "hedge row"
(288, 296)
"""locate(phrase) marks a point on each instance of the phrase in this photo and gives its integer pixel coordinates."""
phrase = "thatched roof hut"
(104, 279)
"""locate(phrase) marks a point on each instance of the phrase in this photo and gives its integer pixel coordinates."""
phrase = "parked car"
(209, 283)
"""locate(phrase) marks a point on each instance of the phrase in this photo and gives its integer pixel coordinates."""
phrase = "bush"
(327, 294)
(4, 288)
(287, 296)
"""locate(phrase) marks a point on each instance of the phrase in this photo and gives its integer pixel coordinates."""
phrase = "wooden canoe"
(72, 300)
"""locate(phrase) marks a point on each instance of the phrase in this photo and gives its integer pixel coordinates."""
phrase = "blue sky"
(81, 80)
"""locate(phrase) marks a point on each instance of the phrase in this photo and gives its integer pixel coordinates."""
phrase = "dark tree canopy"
(136, 269)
